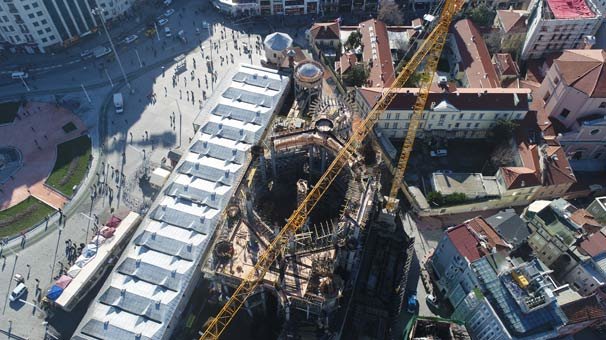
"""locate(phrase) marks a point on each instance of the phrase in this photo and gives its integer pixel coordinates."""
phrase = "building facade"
(597, 208)
(33, 26)
(466, 113)
(573, 94)
(557, 25)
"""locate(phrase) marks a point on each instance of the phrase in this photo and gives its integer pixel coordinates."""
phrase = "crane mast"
(432, 46)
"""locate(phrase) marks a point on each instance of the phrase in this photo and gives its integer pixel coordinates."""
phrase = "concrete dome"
(278, 41)
(309, 71)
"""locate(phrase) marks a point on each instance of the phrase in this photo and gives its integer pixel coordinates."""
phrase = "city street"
(157, 117)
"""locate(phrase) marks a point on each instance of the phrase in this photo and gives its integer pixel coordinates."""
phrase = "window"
(477, 125)
(386, 125)
(44, 22)
(39, 13)
(594, 132)
(546, 96)
(565, 113)
(429, 126)
(26, 7)
(52, 37)
(457, 125)
(40, 32)
(441, 121)
(48, 29)
(36, 24)
(481, 116)
(468, 124)
(398, 115)
(44, 40)
(602, 105)
(31, 15)
(388, 115)
(556, 80)
(518, 115)
(540, 37)
(473, 116)
(35, 5)
(394, 125)
(461, 116)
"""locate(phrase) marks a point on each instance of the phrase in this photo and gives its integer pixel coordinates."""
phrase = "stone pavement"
(36, 132)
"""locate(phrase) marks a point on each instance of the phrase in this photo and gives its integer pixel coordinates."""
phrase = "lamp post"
(99, 12)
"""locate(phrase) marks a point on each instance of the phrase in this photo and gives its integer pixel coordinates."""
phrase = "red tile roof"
(505, 65)
(594, 245)
(467, 238)
(586, 220)
(348, 59)
(555, 170)
(585, 309)
(377, 53)
(584, 70)
(462, 98)
(325, 31)
(512, 20)
(475, 58)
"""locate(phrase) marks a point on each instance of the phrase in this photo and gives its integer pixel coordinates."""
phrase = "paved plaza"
(35, 133)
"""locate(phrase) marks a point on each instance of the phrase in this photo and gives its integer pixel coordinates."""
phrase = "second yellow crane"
(432, 46)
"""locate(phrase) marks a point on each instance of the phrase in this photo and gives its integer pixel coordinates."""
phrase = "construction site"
(342, 263)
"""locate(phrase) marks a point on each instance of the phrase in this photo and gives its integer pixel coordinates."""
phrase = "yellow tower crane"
(431, 47)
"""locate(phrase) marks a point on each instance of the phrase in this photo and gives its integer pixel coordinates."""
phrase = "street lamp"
(99, 12)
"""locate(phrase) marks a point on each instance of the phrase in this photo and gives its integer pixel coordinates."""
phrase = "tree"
(455, 198)
(354, 40)
(389, 13)
(481, 15)
(503, 130)
(493, 42)
(356, 76)
(435, 198)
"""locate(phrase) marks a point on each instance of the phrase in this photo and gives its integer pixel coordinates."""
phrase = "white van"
(19, 75)
(17, 292)
(168, 2)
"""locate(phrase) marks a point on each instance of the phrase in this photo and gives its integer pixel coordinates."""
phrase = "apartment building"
(465, 113)
(597, 208)
(511, 25)
(572, 100)
(469, 58)
(557, 25)
(33, 26)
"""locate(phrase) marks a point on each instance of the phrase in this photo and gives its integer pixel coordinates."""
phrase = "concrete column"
(274, 168)
(323, 154)
(262, 167)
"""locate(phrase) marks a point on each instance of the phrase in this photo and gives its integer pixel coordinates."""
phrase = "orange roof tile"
(475, 58)
(325, 31)
(584, 309)
(377, 53)
(584, 70)
(512, 20)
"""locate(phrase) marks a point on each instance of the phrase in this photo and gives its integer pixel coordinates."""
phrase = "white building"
(150, 286)
(557, 25)
(32, 26)
(275, 45)
(466, 113)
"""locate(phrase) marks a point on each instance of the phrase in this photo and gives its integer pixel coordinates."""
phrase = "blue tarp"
(54, 292)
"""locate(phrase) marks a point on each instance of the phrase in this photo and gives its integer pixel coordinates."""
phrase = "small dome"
(309, 71)
(278, 41)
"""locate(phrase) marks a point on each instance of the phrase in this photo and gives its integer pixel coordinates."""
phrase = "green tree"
(455, 198)
(389, 13)
(481, 15)
(435, 198)
(356, 76)
(354, 40)
(503, 130)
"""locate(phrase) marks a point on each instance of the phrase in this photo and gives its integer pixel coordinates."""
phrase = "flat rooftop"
(151, 283)
(473, 185)
(570, 9)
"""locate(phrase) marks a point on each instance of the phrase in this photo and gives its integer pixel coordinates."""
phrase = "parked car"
(130, 38)
(18, 292)
(162, 22)
(167, 32)
(438, 153)
(432, 301)
(19, 75)
(168, 2)
(86, 54)
(169, 12)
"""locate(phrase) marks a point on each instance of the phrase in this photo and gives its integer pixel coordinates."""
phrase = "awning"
(63, 281)
(54, 292)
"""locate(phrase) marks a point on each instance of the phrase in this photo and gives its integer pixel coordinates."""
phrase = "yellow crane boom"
(435, 39)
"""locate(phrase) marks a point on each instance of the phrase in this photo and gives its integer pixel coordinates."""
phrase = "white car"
(18, 292)
(130, 38)
(204, 24)
(167, 32)
(432, 300)
(438, 153)
(162, 22)
(169, 12)
(168, 2)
